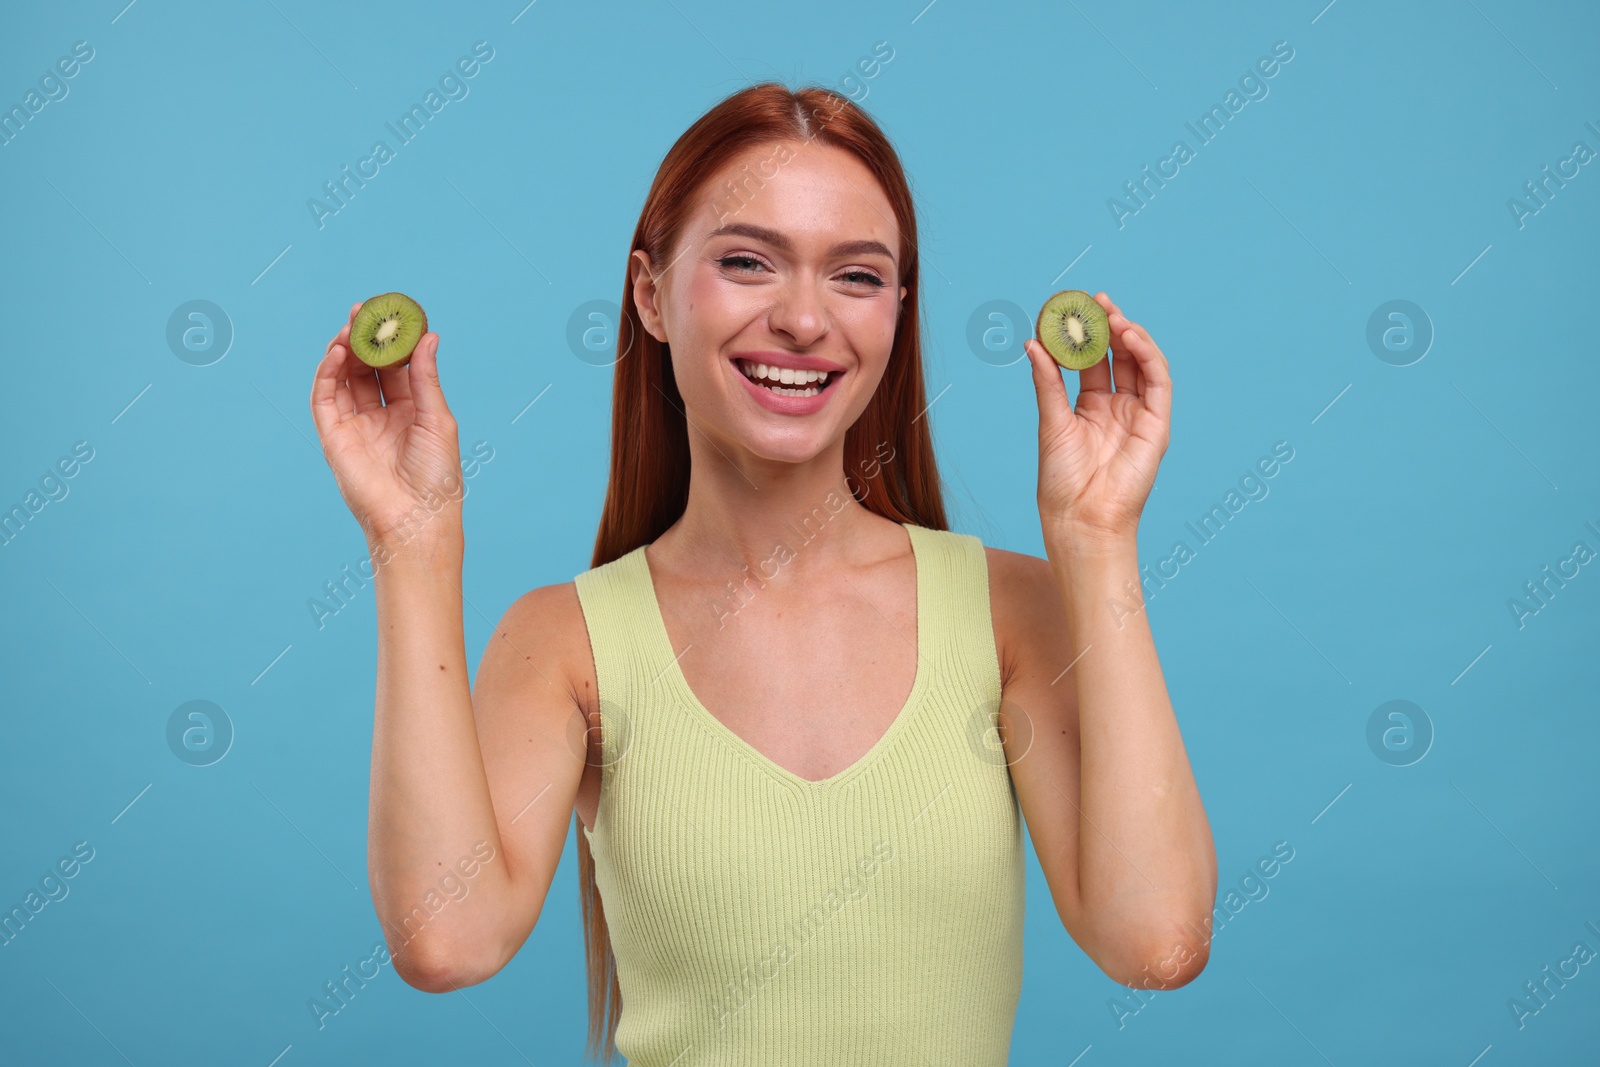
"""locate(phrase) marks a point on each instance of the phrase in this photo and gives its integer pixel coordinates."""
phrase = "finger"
(1109, 306)
(1114, 312)
(1156, 381)
(327, 410)
(355, 308)
(426, 393)
(1098, 377)
(1124, 366)
(364, 387)
(1125, 369)
(395, 383)
(1129, 378)
(1120, 322)
(1049, 387)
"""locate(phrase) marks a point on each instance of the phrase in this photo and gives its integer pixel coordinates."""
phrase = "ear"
(645, 294)
(902, 298)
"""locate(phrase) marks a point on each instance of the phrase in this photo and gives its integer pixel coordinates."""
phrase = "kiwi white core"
(391, 326)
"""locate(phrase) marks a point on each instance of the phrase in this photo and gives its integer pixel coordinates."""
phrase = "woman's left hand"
(1097, 464)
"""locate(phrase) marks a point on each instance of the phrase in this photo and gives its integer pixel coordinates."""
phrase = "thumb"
(426, 393)
(1049, 386)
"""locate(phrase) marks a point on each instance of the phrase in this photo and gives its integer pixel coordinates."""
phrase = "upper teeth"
(784, 375)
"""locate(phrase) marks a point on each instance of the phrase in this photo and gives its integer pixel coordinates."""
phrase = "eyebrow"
(778, 240)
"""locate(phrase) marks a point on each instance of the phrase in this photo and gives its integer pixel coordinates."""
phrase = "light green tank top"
(756, 917)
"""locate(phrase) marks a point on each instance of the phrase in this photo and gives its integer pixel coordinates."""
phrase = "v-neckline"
(919, 682)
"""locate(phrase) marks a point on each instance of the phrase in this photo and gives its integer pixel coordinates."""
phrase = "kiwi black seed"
(1073, 329)
(386, 328)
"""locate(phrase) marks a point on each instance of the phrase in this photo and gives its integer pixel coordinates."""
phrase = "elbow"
(1179, 965)
(435, 969)
(1172, 968)
(429, 973)
(1162, 964)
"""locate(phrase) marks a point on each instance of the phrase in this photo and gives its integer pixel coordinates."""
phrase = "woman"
(773, 700)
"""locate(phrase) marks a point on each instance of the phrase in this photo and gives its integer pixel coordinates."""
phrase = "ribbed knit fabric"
(874, 917)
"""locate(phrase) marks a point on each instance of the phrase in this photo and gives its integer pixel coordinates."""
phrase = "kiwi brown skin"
(1061, 348)
(408, 304)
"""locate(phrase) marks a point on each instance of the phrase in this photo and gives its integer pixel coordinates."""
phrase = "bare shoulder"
(1029, 621)
(530, 725)
(542, 641)
(532, 701)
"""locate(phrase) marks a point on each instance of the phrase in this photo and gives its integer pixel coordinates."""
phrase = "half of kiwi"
(386, 328)
(1073, 329)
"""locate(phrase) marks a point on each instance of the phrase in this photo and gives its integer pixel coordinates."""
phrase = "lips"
(781, 380)
(791, 360)
(790, 404)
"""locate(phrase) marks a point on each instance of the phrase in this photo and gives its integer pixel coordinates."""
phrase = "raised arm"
(459, 862)
(1099, 764)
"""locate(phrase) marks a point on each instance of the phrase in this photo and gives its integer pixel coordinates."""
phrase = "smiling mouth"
(801, 383)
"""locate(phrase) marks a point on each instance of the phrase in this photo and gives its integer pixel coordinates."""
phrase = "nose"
(798, 312)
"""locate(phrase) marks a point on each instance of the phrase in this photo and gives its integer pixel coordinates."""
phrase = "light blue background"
(1379, 567)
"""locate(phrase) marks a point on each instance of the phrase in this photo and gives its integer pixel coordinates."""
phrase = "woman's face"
(791, 259)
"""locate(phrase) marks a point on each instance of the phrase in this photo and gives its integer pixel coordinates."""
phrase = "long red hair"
(649, 478)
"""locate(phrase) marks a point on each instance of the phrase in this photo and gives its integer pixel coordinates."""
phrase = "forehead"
(815, 194)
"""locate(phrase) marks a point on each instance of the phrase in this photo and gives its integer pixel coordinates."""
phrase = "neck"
(745, 511)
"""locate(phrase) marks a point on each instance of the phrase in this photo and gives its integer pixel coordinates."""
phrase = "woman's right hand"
(391, 442)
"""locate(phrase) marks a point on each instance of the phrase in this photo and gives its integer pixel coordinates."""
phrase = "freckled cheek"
(701, 291)
(872, 336)
(716, 311)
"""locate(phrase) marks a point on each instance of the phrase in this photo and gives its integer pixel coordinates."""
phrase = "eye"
(865, 277)
(729, 261)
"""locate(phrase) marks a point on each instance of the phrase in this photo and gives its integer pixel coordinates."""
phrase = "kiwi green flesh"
(1072, 327)
(386, 329)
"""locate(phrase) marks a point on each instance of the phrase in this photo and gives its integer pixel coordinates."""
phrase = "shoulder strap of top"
(617, 616)
(953, 575)
(959, 601)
